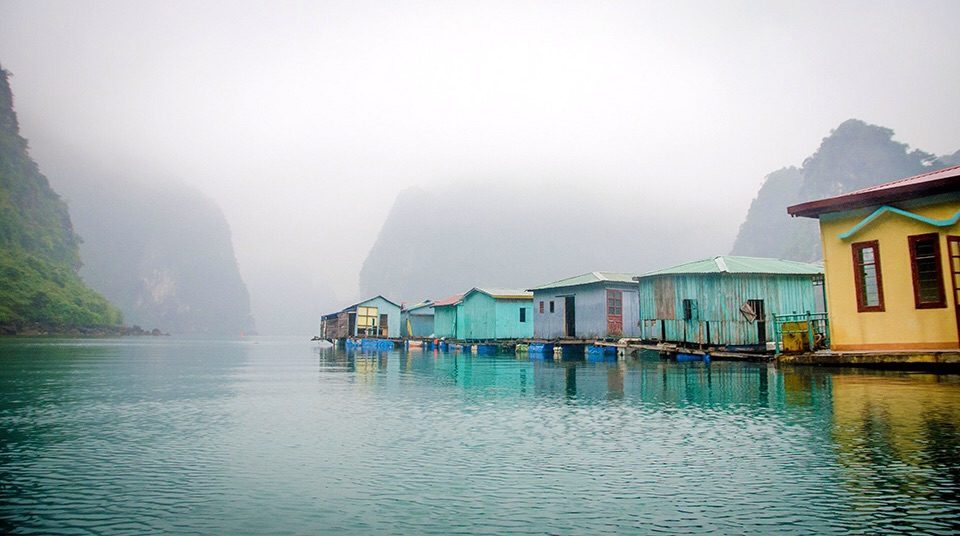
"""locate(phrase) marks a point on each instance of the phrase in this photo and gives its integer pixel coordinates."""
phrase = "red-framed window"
(868, 277)
(614, 302)
(928, 290)
(541, 306)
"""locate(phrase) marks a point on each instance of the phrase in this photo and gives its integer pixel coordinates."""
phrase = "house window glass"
(614, 302)
(690, 310)
(523, 314)
(868, 276)
(541, 306)
(927, 275)
(551, 306)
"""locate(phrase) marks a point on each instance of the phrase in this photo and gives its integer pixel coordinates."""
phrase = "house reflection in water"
(896, 435)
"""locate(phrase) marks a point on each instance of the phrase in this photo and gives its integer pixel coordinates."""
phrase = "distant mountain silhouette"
(855, 155)
(437, 243)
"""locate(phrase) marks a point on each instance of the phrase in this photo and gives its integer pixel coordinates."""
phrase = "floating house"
(489, 314)
(726, 300)
(375, 317)
(597, 305)
(417, 320)
(892, 258)
(447, 315)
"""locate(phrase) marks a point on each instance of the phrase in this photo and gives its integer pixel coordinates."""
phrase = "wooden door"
(614, 313)
(953, 251)
(569, 317)
(758, 309)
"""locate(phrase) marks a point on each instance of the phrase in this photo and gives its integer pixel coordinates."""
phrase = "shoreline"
(44, 330)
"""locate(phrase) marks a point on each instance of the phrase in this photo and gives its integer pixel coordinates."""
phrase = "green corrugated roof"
(727, 264)
(586, 279)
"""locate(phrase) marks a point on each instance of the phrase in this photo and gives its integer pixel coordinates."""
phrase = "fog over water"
(304, 120)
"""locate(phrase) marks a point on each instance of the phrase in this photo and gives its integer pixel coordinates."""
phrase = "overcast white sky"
(298, 116)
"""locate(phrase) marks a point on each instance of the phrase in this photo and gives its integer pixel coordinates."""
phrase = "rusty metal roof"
(926, 184)
(449, 300)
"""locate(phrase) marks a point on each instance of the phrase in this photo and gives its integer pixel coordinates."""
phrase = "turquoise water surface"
(274, 436)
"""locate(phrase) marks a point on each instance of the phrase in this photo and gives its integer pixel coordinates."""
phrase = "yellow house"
(891, 258)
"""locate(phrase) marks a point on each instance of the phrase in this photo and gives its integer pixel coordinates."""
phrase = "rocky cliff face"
(39, 254)
(162, 253)
(855, 155)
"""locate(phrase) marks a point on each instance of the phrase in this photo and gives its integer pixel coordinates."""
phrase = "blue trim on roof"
(884, 209)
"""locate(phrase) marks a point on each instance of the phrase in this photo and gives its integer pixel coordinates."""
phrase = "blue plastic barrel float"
(539, 350)
(376, 344)
(601, 353)
(487, 349)
(683, 357)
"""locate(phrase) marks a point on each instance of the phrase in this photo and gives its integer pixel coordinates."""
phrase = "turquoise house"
(447, 315)
(489, 314)
(726, 300)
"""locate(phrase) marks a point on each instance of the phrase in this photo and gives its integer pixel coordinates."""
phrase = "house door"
(614, 313)
(384, 326)
(757, 306)
(953, 249)
(569, 317)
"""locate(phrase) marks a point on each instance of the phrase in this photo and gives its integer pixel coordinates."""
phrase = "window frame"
(912, 241)
(523, 315)
(858, 279)
(614, 302)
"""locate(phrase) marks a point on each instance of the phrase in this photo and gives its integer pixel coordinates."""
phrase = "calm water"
(271, 436)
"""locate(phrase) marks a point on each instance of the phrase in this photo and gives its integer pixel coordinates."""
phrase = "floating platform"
(915, 359)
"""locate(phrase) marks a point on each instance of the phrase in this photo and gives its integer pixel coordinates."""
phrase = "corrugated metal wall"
(719, 298)
(590, 311)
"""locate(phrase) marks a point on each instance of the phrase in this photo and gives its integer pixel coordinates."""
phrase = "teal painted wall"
(479, 317)
(486, 318)
(719, 297)
(445, 321)
(508, 324)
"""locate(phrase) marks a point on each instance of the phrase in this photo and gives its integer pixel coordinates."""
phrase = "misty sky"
(303, 120)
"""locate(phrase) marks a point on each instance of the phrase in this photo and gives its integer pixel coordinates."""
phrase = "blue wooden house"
(417, 320)
(597, 305)
(726, 300)
(375, 317)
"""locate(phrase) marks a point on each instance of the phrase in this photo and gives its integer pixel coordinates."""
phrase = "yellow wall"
(901, 326)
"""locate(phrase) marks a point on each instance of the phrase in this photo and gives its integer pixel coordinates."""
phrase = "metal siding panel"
(547, 325)
(631, 313)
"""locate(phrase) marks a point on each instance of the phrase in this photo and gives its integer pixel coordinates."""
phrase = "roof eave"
(813, 209)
